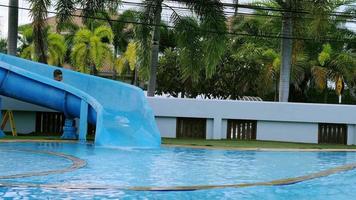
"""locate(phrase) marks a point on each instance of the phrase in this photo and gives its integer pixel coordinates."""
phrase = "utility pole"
(236, 2)
(12, 27)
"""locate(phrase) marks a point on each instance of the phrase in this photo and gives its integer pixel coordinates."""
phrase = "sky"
(25, 19)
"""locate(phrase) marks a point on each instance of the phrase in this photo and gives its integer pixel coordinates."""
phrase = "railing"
(49, 123)
(191, 128)
(332, 134)
(241, 130)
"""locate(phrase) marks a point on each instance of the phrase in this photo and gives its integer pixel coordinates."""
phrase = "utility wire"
(254, 7)
(239, 13)
(202, 30)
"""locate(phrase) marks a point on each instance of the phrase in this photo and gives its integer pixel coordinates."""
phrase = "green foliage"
(324, 56)
(91, 49)
(38, 13)
(251, 66)
(128, 58)
(3, 44)
(56, 48)
(65, 10)
(196, 58)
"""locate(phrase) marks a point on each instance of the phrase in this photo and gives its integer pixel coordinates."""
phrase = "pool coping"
(194, 146)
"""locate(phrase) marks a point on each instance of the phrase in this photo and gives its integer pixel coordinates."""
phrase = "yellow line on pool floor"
(76, 163)
(278, 182)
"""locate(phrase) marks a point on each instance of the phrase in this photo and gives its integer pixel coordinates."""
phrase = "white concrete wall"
(167, 126)
(287, 131)
(351, 134)
(292, 122)
(209, 129)
(25, 122)
(223, 129)
(261, 111)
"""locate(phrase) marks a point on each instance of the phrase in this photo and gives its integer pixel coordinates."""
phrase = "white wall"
(223, 129)
(209, 129)
(25, 122)
(167, 126)
(351, 134)
(262, 111)
(287, 131)
(292, 122)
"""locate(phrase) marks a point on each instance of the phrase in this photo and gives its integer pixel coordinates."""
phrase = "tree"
(38, 13)
(12, 27)
(89, 8)
(333, 66)
(92, 49)
(3, 45)
(128, 59)
(286, 50)
(56, 49)
(212, 19)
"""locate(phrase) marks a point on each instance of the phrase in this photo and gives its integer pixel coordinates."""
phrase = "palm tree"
(294, 23)
(332, 67)
(211, 16)
(38, 13)
(128, 60)
(12, 27)
(286, 50)
(56, 47)
(92, 49)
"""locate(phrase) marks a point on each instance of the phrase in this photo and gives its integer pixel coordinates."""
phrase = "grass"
(216, 143)
(251, 144)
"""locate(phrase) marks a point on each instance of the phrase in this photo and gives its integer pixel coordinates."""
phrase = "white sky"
(24, 14)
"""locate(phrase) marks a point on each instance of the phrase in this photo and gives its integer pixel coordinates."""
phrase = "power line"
(202, 30)
(265, 8)
(247, 14)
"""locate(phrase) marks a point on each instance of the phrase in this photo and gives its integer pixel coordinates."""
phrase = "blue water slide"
(120, 111)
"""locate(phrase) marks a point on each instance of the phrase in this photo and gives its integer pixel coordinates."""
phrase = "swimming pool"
(82, 171)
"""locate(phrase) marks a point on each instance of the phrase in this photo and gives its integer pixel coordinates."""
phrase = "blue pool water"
(122, 168)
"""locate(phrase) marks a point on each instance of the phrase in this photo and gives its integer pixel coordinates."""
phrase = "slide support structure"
(83, 124)
(69, 130)
(2, 134)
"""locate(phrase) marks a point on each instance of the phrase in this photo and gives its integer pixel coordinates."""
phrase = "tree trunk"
(286, 56)
(135, 77)
(155, 49)
(12, 27)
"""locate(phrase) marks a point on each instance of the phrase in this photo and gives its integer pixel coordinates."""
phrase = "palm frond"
(38, 13)
(120, 64)
(57, 48)
(104, 33)
(64, 10)
(82, 36)
(131, 55)
(320, 76)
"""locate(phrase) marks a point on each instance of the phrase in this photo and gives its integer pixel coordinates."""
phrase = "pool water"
(114, 171)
